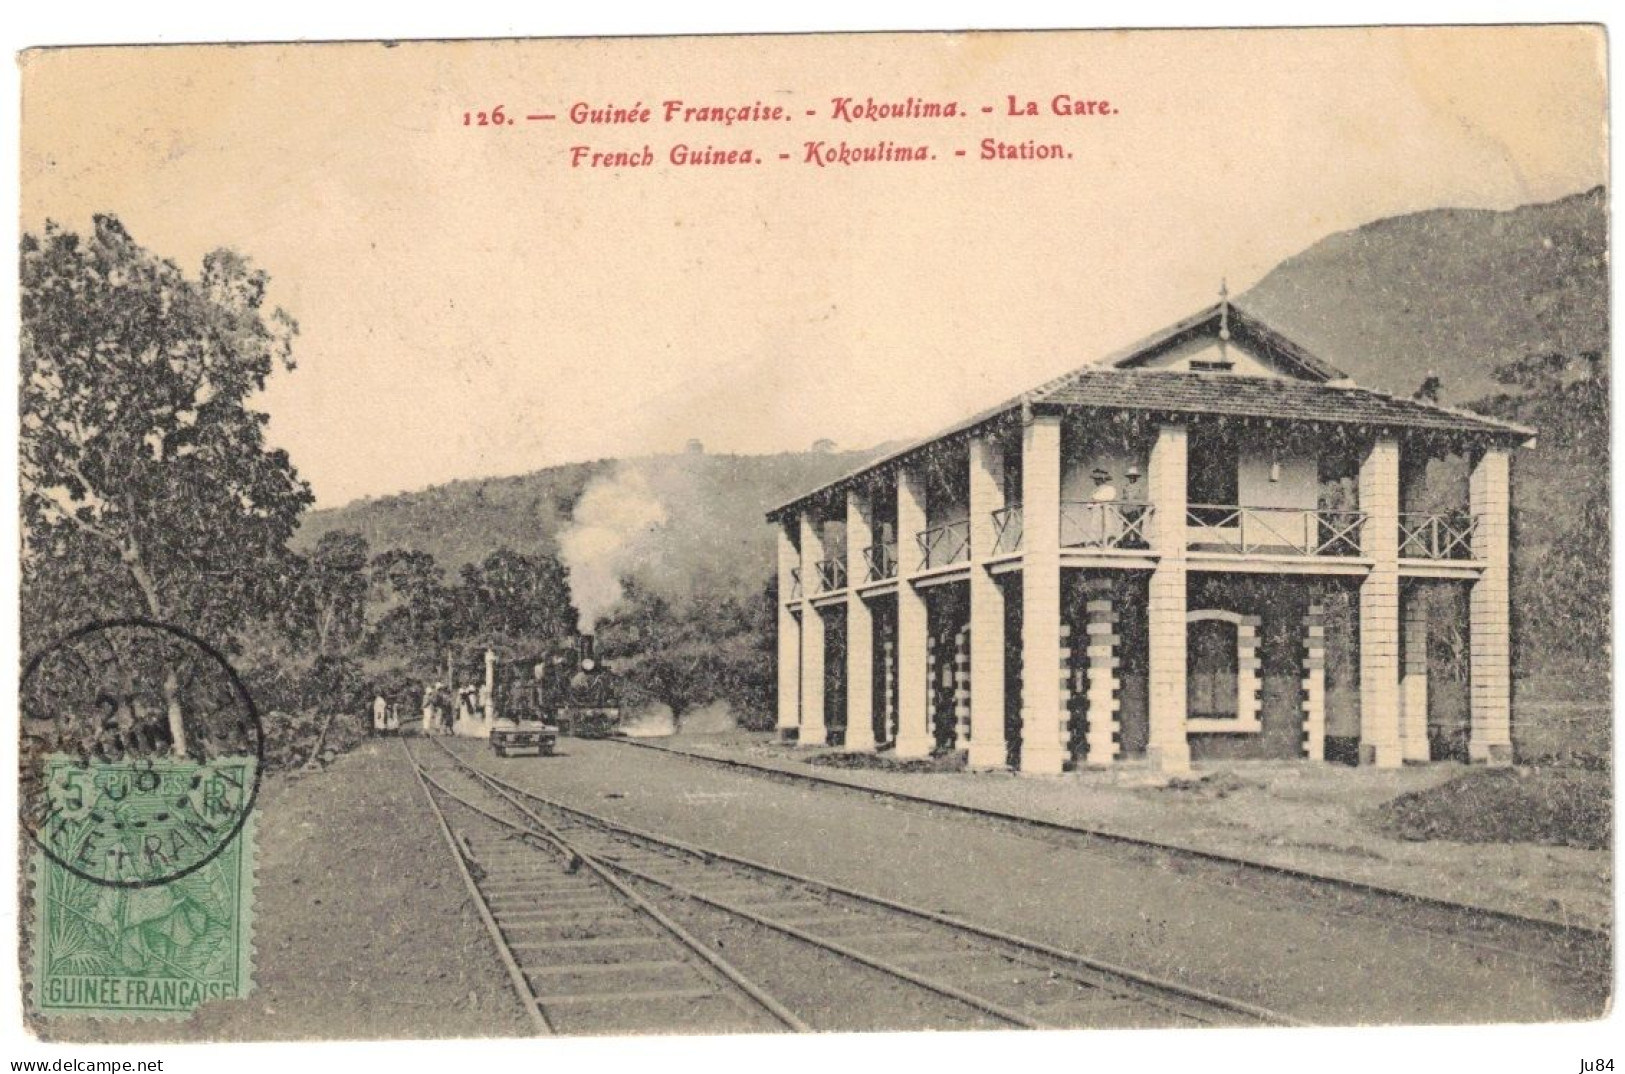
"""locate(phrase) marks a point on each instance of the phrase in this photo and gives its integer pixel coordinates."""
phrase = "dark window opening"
(1210, 677)
(1213, 469)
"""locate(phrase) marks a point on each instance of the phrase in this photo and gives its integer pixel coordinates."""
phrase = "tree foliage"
(146, 484)
(1561, 519)
(711, 648)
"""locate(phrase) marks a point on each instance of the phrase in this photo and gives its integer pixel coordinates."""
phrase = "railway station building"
(1209, 545)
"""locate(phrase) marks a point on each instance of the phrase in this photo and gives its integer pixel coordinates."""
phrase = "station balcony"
(831, 575)
(941, 546)
(1084, 524)
(1437, 536)
(1273, 530)
(1007, 530)
(1108, 524)
(881, 560)
(1228, 528)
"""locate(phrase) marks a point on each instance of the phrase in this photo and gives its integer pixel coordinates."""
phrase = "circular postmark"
(140, 755)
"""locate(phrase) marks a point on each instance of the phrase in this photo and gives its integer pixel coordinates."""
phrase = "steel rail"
(1138, 981)
(516, 976)
(930, 984)
(571, 853)
(1565, 930)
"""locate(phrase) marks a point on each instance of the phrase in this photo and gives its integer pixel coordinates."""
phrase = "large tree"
(147, 487)
(333, 591)
(517, 596)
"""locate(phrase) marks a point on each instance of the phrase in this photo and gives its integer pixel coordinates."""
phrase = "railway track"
(1555, 944)
(584, 953)
(801, 953)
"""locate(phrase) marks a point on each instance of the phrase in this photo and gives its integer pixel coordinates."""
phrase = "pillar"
(1314, 682)
(1043, 711)
(888, 669)
(860, 626)
(987, 745)
(1167, 745)
(1379, 606)
(812, 637)
(1101, 684)
(488, 696)
(1490, 728)
(962, 687)
(1063, 670)
(1413, 683)
(789, 717)
(914, 737)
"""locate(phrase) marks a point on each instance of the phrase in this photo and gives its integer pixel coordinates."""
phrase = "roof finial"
(1224, 309)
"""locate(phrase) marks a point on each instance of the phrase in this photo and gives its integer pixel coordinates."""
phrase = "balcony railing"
(1007, 529)
(1107, 524)
(1446, 536)
(831, 575)
(1286, 530)
(795, 583)
(942, 545)
(882, 561)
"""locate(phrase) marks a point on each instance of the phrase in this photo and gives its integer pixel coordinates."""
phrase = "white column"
(1168, 746)
(1100, 743)
(1413, 684)
(1043, 712)
(1379, 606)
(987, 745)
(860, 626)
(962, 687)
(914, 737)
(812, 636)
(789, 634)
(1490, 488)
(488, 693)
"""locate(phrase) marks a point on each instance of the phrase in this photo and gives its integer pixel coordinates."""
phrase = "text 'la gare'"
(1062, 104)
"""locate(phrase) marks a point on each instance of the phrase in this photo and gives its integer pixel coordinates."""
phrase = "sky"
(471, 305)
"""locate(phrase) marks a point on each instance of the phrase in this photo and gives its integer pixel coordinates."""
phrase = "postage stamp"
(158, 950)
(139, 771)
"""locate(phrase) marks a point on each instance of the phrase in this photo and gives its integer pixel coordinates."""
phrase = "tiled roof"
(1245, 329)
(1322, 395)
(1261, 397)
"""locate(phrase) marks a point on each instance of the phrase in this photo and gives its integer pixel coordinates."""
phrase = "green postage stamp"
(143, 888)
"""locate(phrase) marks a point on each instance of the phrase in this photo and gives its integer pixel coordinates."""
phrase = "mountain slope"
(1455, 291)
(676, 521)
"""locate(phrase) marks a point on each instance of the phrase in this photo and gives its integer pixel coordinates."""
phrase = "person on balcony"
(1130, 516)
(1104, 526)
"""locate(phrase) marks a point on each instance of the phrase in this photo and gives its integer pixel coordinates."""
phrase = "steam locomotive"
(589, 703)
(569, 690)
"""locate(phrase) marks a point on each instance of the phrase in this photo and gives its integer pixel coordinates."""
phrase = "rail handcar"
(521, 722)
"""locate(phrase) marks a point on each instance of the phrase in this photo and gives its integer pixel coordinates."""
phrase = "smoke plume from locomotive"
(608, 535)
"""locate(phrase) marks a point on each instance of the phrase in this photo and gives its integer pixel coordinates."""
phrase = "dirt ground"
(1319, 818)
(1257, 943)
(362, 926)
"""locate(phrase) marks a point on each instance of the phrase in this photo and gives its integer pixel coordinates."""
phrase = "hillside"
(1455, 291)
(699, 517)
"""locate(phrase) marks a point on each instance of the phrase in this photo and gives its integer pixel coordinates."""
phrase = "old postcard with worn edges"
(833, 533)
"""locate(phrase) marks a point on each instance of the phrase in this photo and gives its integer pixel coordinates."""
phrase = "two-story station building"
(1139, 561)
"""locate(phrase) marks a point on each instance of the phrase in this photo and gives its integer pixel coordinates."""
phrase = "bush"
(296, 701)
(1555, 807)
